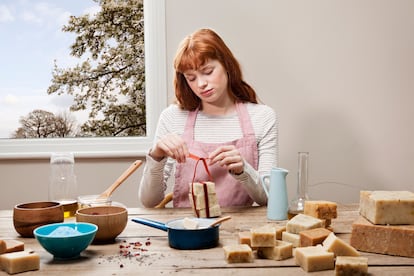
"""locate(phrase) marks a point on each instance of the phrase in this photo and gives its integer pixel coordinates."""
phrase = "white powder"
(64, 231)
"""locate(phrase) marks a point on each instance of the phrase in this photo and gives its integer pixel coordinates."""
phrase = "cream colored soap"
(214, 211)
(302, 222)
(283, 250)
(189, 223)
(314, 258)
(351, 266)
(264, 236)
(340, 248)
(294, 239)
(387, 207)
(238, 253)
(14, 246)
(21, 261)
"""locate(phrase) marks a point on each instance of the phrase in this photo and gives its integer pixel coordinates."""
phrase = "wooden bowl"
(29, 216)
(111, 221)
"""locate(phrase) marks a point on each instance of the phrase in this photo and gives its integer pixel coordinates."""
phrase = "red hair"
(194, 51)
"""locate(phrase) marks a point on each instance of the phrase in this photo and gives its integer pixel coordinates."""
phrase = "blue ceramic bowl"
(66, 240)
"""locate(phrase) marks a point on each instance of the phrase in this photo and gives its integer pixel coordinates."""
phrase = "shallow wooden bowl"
(29, 216)
(111, 221)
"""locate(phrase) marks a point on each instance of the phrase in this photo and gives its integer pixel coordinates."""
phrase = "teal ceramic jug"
(274, 185)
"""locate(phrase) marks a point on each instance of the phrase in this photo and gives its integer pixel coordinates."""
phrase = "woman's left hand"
(227, 157)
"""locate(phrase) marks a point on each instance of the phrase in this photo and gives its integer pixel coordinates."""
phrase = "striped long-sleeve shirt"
(213, 129)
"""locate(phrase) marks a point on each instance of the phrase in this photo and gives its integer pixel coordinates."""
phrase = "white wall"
(339, 74)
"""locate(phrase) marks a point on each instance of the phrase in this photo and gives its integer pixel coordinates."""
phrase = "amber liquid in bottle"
(296, 206)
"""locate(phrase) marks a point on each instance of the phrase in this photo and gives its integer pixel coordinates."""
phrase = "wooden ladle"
(108, 192)
(220, 220)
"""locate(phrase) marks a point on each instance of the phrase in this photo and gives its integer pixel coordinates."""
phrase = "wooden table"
(155, 257)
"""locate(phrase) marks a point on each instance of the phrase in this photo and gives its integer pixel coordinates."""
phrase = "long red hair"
(194, 51)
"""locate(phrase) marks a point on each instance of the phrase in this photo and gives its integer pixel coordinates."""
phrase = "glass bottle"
(62, 185)
(297, 205)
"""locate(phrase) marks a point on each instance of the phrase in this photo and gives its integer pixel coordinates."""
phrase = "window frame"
(156, 101)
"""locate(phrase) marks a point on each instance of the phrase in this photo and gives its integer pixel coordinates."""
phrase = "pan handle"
(151, 223)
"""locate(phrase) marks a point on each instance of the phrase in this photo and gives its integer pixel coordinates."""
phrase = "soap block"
(340, 248)
(387, 207)
(245, 237)
(279, 231)
(294, 239)
(203, 199)
(238, 253)
(22, 261)
(314, 258)
(351, 266)
(3, 247)
(264, 236)
(8, 246)
(396, 240)
(189, 223)
(214, 211)
(313, 237)
(302, 222)
(320, 209)
(282, 251)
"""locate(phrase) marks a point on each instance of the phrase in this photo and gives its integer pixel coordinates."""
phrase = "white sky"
(30, 40)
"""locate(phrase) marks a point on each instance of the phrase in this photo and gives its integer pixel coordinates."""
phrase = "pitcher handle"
(265, 177)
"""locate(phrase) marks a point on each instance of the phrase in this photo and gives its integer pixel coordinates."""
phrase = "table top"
(156, 257)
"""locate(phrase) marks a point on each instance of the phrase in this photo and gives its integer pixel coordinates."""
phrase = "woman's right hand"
(171, 145)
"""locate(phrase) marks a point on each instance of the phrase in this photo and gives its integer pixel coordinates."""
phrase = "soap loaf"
(387, 207)
(396, 240)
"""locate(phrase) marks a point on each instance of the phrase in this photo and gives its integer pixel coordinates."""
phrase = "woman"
(216, 117)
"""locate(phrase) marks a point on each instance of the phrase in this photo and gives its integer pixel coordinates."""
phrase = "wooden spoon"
(220, 220)
(107, 193)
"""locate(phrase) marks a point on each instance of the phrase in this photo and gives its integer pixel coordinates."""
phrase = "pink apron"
(229, 191)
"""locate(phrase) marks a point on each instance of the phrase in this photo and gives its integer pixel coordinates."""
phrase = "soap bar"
(302, 222)
(198, 188)
(8, 246)
(351, 266)
(340, 248)
(264, 236)
(387, 207)
(294, 239)
(214, 211)
(397, 240)
(238, 253)
(21, 261)
(321, 209)
(313, 237)
(245, 237)
(281, 251)
(314, 258)
(189, 223)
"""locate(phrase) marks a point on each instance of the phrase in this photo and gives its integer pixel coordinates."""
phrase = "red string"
(204, 184)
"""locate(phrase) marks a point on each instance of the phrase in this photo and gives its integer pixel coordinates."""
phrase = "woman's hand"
(228, 157)
(171, 145)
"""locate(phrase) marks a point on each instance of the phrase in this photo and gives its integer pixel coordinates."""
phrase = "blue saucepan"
(187, 239)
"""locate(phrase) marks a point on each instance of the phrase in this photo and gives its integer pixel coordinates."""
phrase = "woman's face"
(209, 82)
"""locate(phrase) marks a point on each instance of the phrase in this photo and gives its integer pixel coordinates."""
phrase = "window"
(156, 100)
